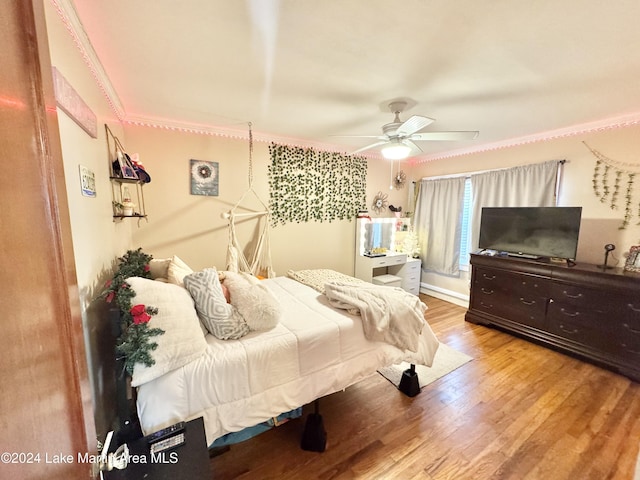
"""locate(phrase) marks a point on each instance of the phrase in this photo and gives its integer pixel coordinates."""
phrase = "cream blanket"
(389, 314)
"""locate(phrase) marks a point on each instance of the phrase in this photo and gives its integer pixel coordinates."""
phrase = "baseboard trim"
(445, 294)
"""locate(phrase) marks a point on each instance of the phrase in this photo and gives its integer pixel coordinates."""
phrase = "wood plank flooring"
(517, 411)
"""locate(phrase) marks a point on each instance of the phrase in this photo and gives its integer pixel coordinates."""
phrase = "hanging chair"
(260, 265)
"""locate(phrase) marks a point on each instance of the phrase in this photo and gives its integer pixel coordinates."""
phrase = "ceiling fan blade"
(380, 137)
(413, 124)
(414, 146)
(467, 135)
(368, 147)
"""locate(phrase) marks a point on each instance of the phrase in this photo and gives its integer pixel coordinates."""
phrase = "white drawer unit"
(388, 261)
(372, 234)
(410, 273)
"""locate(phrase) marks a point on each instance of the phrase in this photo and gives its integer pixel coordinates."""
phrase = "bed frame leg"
(314, 437)
(409, 384)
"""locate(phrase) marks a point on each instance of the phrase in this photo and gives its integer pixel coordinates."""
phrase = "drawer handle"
(487, 292)
(569, 314)
(567, 330)
(530, 302)
(488, 277)
(571, 296)
(626, 325)
(634, 309)
(486, 305)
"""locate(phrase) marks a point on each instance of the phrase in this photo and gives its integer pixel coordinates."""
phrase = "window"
(465, 237)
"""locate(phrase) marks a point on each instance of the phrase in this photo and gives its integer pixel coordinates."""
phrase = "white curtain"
(525, 186)
(438, 224)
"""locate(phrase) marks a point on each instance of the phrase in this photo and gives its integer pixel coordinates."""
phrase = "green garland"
(604, 165)
(134, 344)
(309, 185)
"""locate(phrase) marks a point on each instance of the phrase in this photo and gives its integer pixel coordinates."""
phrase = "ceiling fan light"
(396, 151)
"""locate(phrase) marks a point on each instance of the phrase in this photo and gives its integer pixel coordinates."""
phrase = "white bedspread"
(314, 351)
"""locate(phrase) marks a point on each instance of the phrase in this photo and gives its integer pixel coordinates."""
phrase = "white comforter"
(315, 350)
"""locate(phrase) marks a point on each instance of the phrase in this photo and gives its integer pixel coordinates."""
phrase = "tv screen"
(532, 232)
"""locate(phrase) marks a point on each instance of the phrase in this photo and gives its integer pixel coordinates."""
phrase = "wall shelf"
(127, 192)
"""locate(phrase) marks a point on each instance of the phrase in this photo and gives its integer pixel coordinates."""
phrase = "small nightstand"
(189, 461)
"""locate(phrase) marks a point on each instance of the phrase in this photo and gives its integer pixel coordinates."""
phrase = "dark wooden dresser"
(583, 310)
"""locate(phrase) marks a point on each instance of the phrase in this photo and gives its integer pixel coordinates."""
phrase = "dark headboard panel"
(100, 343)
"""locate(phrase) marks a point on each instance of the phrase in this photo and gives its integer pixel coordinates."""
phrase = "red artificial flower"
(142, 318)
(139, 314)
(108, 283)
(110, 297)
(147, 267)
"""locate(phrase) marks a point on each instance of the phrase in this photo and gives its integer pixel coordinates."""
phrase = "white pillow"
(257, 305)
(177, 271)
(182, 341)
(159, 268)
(220, 319)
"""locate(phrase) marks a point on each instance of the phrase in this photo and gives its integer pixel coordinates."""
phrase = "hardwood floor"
(517, 411)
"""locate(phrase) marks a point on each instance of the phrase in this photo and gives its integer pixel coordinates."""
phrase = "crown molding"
(67, 13)
(612, 123)
(239, 132)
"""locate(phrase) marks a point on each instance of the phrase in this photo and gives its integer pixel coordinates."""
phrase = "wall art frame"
(72, 104)
(633, 259)
(205, 177)
(87, 181)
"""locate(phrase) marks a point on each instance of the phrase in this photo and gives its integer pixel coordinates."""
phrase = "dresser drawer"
(585, 298)
(414, 289)
(527, 286)
(412, 266)
(629, 348)
(377, 262)
(527, 310)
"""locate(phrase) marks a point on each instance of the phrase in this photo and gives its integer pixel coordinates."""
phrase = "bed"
(315, 349)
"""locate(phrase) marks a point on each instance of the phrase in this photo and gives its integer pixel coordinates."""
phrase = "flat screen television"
(531, 232)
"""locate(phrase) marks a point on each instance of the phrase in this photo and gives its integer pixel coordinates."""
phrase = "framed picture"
(87, 182)
(633, 259)
(204, 178)
(72, 104)
(126, 167)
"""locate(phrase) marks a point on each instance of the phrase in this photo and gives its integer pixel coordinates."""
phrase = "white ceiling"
(301, 71)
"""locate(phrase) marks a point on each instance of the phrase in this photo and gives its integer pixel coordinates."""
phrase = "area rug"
(446, 361)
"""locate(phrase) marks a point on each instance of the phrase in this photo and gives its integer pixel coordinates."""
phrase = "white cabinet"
(383, 230)
(365, 266)
(409, 272)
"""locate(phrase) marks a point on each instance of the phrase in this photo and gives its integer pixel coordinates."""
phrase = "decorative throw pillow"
(159, 268)
(257, 305)
(220, 318)
(177, 271)
(182, 340)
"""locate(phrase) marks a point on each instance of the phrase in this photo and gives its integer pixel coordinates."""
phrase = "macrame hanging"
(622, 173)
(260, 265)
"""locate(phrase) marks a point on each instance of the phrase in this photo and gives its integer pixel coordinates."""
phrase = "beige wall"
(191, 226)
(599, 222)
(97, 240)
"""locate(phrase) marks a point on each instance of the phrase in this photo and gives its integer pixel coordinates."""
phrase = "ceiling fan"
(398, 138)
